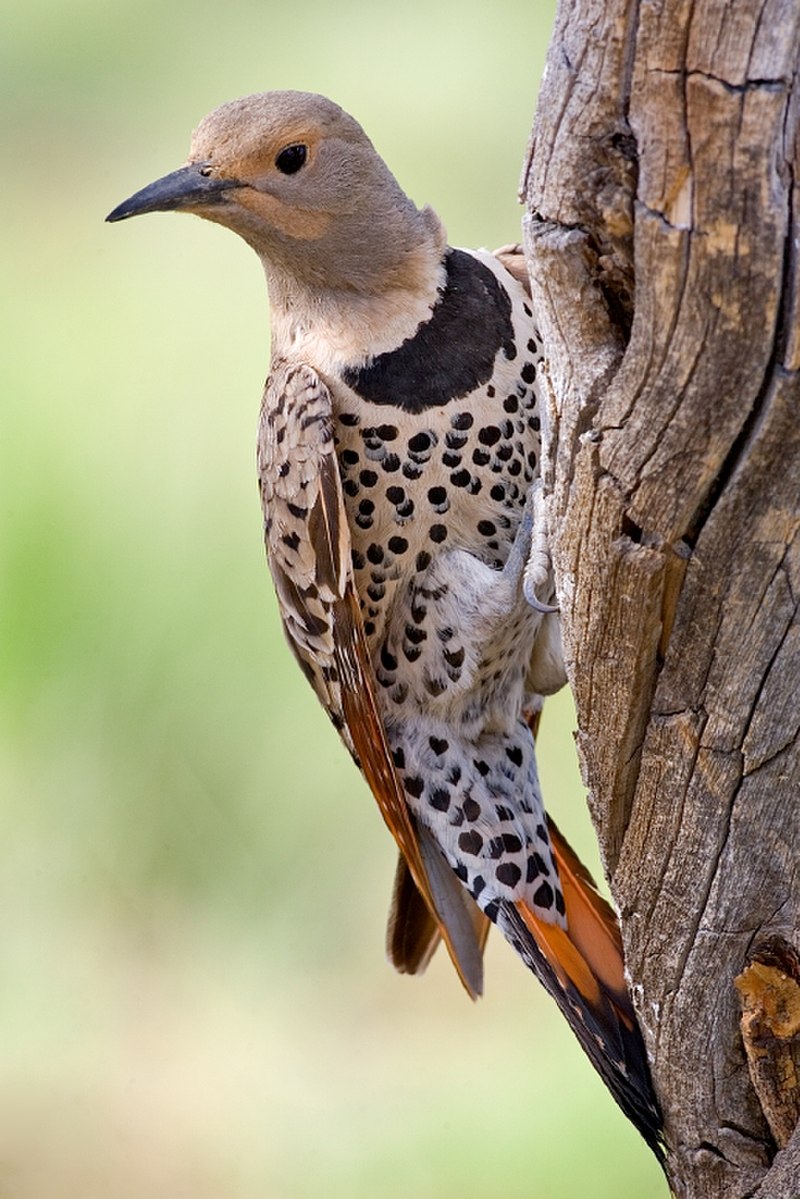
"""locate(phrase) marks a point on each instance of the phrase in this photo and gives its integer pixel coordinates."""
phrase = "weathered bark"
(663, 236)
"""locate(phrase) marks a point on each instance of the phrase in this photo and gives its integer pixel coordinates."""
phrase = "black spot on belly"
(418, 612)
(471, 842)
(514, 754)
(508, 873)
(440, 799)
(472, 313)
(388, 660)
(434, 687)
(490, 435)
(472, 809)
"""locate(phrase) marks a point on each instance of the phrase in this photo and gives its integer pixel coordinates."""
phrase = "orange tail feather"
(592, 923)
(582, 966)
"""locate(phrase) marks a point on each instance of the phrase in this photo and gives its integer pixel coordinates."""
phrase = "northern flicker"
(398, 457)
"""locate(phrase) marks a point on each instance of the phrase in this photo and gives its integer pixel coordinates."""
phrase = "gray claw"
(538, 605)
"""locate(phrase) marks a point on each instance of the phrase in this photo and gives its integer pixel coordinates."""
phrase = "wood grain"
(662, 238)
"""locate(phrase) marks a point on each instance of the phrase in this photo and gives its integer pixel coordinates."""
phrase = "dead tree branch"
(663, 237)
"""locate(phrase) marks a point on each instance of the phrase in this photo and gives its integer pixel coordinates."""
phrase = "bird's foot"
(538, 573)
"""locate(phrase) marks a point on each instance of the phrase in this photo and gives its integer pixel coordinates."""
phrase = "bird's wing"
(413, 935)
(512, 257)
(308, 545)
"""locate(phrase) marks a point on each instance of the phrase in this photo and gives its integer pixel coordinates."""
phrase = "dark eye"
(290, 159)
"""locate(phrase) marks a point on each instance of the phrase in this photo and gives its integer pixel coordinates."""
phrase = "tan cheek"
(294, 222)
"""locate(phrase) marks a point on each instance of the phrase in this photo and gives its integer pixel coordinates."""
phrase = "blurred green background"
(194, 881)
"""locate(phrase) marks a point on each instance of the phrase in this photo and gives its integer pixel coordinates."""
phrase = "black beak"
(188, 187)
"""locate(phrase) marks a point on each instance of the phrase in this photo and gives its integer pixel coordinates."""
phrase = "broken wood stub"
(769, 992)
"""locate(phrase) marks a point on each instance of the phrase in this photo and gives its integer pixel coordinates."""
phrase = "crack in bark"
(752, 425)
(669, 417)
(780, 752)
(701, 902)
(780, 83)
(659, 216)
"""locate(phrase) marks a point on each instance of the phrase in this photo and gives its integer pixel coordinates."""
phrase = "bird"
(399, 473)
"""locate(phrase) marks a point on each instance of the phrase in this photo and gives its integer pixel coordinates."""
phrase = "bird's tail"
(582, 968)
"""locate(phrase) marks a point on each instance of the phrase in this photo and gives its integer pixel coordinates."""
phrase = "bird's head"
(296, 177)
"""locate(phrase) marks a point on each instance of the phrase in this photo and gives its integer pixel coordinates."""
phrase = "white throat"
(331, 330)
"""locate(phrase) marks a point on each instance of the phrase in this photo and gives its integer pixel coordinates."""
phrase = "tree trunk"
(663, 238)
